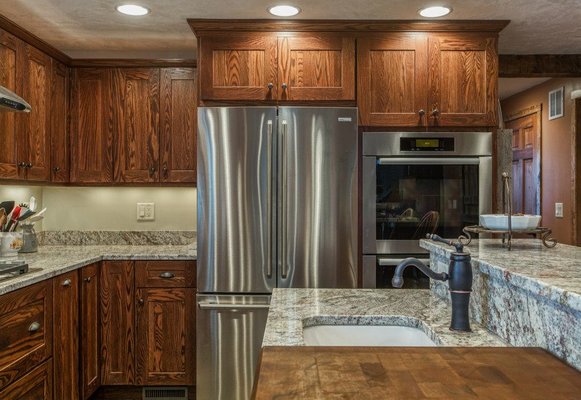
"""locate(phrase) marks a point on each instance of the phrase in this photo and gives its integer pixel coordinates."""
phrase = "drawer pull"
(88, 279)
(67, 282)
(35, 326)
(167, 275)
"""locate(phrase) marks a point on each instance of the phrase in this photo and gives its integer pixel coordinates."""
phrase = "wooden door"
(240, 66)
(136, 99)
(36, 385)
(11, 75)
(59, 136)
(91, 126)
(66, 339)
(526, 162)
(463, 79)
(117, 323)
(35, 126)
(316, 67)
(178, 125)
(165, 336)
(90, 331)
(392, 79)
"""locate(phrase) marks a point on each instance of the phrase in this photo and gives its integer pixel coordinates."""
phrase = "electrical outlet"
(145, 211)
(559, 210)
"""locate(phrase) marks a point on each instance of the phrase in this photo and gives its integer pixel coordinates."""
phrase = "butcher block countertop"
(413, 373)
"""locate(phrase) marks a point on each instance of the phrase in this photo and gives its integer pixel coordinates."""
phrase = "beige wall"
(109, 208)
(556, 155)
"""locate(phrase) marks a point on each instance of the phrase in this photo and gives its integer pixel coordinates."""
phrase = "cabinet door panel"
(90, 331)
(36, 124)
(165, 327)
(318, 67)
(66, 341)
(11, 76)
(137, 124)
(238, 67)
(392, 77)
(59, 134)
(178, 125)
(117, 323)
(37, 385)
(91, 126)
(463, 79)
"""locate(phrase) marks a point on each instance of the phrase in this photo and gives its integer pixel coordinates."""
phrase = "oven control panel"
(426, 144)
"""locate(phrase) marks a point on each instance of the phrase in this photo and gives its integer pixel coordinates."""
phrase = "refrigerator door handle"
(283, 202)
(269, 204)
(221, 306)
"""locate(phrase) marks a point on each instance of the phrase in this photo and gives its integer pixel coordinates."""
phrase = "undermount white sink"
(365, 335)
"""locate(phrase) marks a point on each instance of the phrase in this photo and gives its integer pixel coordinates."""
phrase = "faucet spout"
(397, 280)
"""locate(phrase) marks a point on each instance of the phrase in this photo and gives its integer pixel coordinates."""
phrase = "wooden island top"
(413, 373)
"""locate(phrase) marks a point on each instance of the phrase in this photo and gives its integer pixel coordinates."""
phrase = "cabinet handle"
(141, 302)
(165, 171)
(29, 165)
(151, 171)
(56, 169)
(422, 112)
(167, 275)
(22, 164)
(88, 279)
(35, 326)
(270, 85)
(67, 282)
(284, 86)
(435, 112)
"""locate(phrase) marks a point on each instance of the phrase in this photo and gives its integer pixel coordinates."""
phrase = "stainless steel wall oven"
(416, 183)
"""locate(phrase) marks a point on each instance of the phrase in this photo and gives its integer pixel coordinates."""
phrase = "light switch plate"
(559, 210)
(145, 211)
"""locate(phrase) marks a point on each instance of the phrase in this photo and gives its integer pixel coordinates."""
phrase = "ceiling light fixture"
(435, 11)
(132, 9)
(284, 10)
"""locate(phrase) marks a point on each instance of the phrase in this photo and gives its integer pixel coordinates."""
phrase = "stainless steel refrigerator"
(277, 207)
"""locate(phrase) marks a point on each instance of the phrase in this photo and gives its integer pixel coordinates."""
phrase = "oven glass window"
(413, 200)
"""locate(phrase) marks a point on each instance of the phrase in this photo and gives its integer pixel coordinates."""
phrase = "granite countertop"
(293, 309)
(51, 261)
(553, 273)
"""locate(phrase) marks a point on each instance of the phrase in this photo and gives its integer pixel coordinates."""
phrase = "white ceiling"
(92, 28)
(510, 86)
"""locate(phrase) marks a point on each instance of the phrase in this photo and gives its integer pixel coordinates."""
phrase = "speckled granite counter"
(293, 309)
(529, 296)
(51, 261)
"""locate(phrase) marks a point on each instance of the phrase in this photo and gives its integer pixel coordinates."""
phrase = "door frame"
(537, 151)
(576, 170)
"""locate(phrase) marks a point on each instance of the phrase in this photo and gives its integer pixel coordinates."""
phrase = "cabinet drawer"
(36, 385)
(25, 330)
(165, 273)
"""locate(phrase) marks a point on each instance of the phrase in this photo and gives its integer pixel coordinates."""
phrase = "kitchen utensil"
(33, 219)
(3, 219)
(8, 206)
(32, 203)
(25, 215)
(13, 219)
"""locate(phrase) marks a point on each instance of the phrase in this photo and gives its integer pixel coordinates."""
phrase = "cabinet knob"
(284, 86)
(270, 85)
(56, 169)
(34, 327)
(167, 275)
(422, 112)
(29, 165)
(165, 171)
(151, 171)
(67, 282)
(88, 279)
(141, 302)
(22, 164)
(435, 112)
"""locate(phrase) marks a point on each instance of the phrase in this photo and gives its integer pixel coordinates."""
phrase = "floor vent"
(165, 393)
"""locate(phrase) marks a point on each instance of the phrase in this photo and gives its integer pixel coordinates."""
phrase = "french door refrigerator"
(277, 207)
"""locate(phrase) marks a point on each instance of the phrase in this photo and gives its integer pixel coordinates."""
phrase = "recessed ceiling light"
(132, 9)
(435, 12)
(284, 10)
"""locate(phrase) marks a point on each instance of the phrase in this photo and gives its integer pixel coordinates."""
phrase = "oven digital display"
(430, 143)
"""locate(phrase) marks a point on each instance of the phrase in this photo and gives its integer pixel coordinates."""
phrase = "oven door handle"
(429, 161)
(383, 261)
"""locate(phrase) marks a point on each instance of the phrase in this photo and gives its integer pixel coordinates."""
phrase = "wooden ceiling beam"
(539, 65)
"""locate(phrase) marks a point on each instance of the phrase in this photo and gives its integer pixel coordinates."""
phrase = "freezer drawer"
(229, 337)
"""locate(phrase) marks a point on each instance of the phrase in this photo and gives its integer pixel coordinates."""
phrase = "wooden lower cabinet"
(36, 385)
(66, 338)
(165, 327)
(90, 331)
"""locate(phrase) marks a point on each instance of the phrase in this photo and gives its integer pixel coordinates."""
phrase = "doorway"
(526, 159)
(576, 170)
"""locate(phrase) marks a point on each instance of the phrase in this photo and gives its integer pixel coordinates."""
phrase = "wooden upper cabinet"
(11, 75)
(240, 66)
(463, 79)
(316, 67)
(59, 142)
(35, 126)
(178, 125)
(392, 79)
(136, 124)
(91, 131)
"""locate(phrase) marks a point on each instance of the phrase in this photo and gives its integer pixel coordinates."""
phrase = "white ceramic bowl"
(499, 222)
